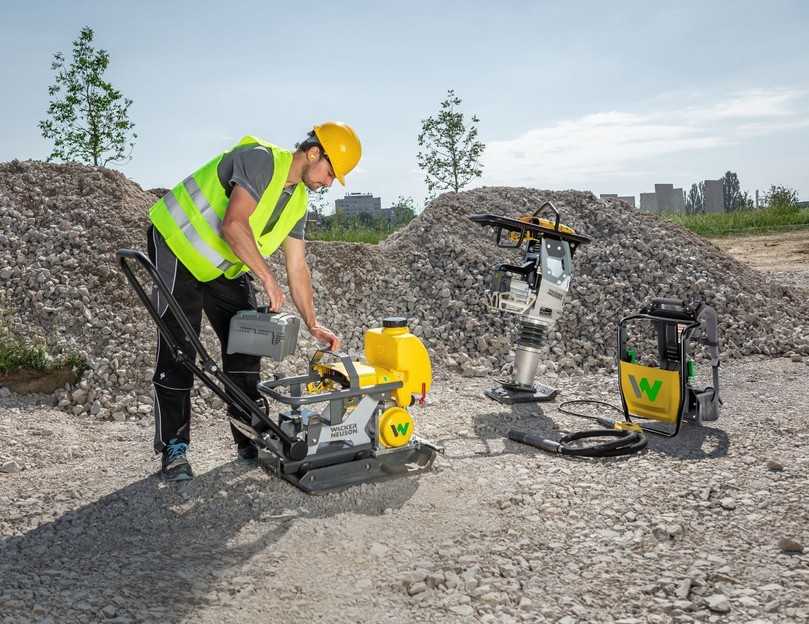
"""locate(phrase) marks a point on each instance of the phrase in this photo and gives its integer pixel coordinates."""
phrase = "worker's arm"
(237, 233)
(303, 295)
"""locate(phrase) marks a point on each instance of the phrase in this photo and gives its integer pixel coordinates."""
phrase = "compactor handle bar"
(209, 370)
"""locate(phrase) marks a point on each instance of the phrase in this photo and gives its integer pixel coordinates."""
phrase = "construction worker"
(207, 233)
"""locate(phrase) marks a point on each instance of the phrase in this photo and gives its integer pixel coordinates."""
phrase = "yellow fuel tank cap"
(395, 427)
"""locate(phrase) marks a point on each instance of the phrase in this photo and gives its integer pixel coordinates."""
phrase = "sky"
(608, 97)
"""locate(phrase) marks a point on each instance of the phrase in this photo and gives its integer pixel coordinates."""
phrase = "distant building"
(354, 204)
(713, 196)
(665, 199)
(648, 202)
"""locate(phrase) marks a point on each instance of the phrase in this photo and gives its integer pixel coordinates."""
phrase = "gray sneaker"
(175, 466)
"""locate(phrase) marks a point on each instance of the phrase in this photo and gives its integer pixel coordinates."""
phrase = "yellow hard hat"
(342, 147)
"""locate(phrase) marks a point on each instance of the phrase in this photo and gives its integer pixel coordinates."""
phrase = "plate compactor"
(365, 431)
(533, 290)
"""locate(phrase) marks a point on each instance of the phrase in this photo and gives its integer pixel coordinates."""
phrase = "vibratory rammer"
(533, 290)
(658, 389)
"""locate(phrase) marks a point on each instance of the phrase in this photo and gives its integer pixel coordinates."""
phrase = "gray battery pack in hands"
(255, 332)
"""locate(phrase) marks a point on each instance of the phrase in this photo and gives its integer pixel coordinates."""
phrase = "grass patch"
(15, 356)
(349, 235)
(743, 221)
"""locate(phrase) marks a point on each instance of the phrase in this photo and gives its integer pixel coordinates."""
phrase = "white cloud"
(615, 143)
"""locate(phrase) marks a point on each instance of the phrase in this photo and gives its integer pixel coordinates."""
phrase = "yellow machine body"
(395, 427)
(368, 375)
(395, 352)
(650, 392)
(545, 223)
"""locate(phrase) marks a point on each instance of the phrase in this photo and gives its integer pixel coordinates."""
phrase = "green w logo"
(400, 429)
(645, 387)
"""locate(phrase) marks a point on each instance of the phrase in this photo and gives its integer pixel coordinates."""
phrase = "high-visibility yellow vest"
(190, 217)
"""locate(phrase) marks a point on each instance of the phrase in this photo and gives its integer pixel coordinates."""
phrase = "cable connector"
(534, 440)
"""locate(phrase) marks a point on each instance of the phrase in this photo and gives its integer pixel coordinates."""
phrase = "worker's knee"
(173, 378)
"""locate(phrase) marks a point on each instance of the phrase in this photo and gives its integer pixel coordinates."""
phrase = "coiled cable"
(628, 438)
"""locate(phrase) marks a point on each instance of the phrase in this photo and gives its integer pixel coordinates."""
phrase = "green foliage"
(14, 355)
(695, 200)
(88, 120)
(744, 201)
(740, 221)
(731, 190)
(364, 227)
(404, 210)
(356, 234)
(782, 199)
(450, 156)
(318, 203)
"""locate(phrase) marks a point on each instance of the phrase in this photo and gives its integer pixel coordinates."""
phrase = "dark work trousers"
(172, 382)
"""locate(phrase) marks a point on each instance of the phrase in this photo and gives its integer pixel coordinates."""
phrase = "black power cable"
(626, 441)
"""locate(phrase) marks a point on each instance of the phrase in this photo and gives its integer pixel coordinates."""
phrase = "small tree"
(782, 198)
(88, 119)
(318, 203)
(731, 191)
(695, 201)
(744, 201)
(450, 155)
(404, 210)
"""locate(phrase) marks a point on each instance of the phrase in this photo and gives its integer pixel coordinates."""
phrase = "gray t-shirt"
(251, 167)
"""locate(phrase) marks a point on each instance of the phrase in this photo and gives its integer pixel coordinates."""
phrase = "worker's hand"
(274, 293)
(322, 334)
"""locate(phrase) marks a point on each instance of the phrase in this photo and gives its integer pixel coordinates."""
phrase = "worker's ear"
(313, 153)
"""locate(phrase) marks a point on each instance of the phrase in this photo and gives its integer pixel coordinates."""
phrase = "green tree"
(318, 203)
(404, 210)
(695, 201)
(731, 191)
(450, 152)
(782, 198)
(744, 201)
(88, 120)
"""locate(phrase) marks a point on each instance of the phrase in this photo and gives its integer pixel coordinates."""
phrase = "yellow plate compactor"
(362, 429)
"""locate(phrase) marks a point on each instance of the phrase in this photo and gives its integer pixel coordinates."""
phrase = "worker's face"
(318, 172)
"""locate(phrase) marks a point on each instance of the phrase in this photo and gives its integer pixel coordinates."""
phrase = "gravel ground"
(703, 528)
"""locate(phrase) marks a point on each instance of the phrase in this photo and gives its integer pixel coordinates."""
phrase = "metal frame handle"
(294, 448)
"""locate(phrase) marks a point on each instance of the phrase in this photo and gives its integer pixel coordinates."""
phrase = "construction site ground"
(712, 526)
(785, 255)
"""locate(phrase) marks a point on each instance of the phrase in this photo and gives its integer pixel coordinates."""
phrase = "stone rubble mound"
(60, 286)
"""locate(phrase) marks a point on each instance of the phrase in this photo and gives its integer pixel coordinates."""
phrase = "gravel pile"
(60, 226)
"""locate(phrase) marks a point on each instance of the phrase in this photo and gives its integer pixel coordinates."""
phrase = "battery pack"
(266, 334)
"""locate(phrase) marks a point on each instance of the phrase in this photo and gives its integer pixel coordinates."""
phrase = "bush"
(14, 355)
(782, 199)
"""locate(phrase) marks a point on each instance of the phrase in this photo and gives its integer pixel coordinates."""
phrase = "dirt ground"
(785, 255)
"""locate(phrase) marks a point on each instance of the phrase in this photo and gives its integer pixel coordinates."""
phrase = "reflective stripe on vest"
(207, 211)
(190, 216)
